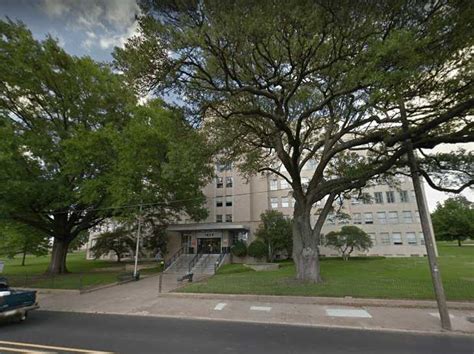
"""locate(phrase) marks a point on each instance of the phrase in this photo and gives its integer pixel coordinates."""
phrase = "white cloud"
(106, 23)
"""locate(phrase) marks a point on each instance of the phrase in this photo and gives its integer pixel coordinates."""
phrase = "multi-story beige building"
(235, 204)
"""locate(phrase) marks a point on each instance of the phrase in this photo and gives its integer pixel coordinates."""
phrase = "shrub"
(257, 249)
(239, 249)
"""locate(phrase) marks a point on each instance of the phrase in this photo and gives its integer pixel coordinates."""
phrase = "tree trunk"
(459, 242)
(24, 257)
(57, 264)
(305, 249)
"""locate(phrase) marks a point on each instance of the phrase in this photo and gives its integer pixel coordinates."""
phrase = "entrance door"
(209, 245)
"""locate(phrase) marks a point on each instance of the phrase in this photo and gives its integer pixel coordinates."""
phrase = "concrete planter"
(263, 267)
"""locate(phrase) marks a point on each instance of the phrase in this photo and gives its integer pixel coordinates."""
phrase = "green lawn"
(83, 273)
(394, 278)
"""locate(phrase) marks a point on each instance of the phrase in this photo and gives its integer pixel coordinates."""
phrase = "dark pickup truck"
(16, 303)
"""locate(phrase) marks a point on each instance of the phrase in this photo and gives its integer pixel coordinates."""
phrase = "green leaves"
(348, 239)
(76, 148)
(454, 219)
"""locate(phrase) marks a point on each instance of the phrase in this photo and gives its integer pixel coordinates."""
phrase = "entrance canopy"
(206, 227)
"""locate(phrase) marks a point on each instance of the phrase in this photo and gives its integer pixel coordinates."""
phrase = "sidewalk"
(142, 299)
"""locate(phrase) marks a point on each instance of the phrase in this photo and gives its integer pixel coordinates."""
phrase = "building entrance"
(209, 245)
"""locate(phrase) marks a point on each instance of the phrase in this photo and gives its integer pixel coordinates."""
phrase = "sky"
(95, 27)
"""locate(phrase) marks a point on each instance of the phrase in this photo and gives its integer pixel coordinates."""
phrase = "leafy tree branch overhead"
(75, 148)
(283, 83)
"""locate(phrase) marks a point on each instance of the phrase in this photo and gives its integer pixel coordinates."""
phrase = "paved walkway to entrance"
(142, 298)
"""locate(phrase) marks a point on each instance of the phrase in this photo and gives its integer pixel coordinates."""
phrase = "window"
(274, 202)
(284, 202)
(355, 201)
(417, 215)
(382, 217)
(397, 238)
(373, 238)
(404, 197)
(228, 201)
(385, 238)
(407, 217)
(228, 217)
(218, 201)
(219, 182)
(273, 185)
(378, 196)
(292, 202)
(412, 195)
(219, 218)
(368, 218)
(422, 239)
(331, 219)
(284, 184)
(223, 167)
(411, 238)
(229, 182)
(357, 218)
(390, 197)
(393, 217)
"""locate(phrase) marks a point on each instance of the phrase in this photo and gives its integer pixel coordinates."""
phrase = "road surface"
(62, 332)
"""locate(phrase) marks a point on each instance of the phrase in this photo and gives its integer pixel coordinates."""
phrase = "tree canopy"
(454, 219)
(285, 83)
(276, 231)
(75, 148)
(348, 239)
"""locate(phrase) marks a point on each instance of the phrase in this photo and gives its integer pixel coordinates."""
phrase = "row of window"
(391, 217)
(221, 201)
(229, 182)
(394, 238)
(224, 218)
(390, 198)
(379, 197)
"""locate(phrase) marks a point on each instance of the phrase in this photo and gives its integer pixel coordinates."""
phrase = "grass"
(83, 273)
(372, 277)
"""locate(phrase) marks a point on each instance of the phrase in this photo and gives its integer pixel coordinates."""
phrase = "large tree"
(454, 219)
(282, 84)
(75, 149)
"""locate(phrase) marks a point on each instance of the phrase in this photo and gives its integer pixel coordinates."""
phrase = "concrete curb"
(345, 301)
(439, 332)
(51, 291)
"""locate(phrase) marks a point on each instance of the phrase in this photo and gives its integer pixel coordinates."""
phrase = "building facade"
(389, 216)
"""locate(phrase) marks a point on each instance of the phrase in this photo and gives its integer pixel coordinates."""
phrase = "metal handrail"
(219, 260)
(206, 260)
(194, 261)
(170, 261)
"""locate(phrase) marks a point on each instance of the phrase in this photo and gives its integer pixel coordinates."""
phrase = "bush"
(239, 249)
(257, 249)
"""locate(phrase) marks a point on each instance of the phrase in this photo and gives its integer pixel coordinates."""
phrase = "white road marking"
(260, 308)
(39, 346)
(220, 306)
(348, 313)
(21, 350)
(436, 314)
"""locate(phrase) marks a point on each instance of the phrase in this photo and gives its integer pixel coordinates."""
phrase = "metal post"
(160, 282)
(427, 231)
(135, 270)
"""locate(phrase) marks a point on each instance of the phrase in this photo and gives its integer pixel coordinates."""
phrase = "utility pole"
(425, 226)
(135, 270)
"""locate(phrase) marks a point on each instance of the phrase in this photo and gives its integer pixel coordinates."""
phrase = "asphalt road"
(134, 334)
